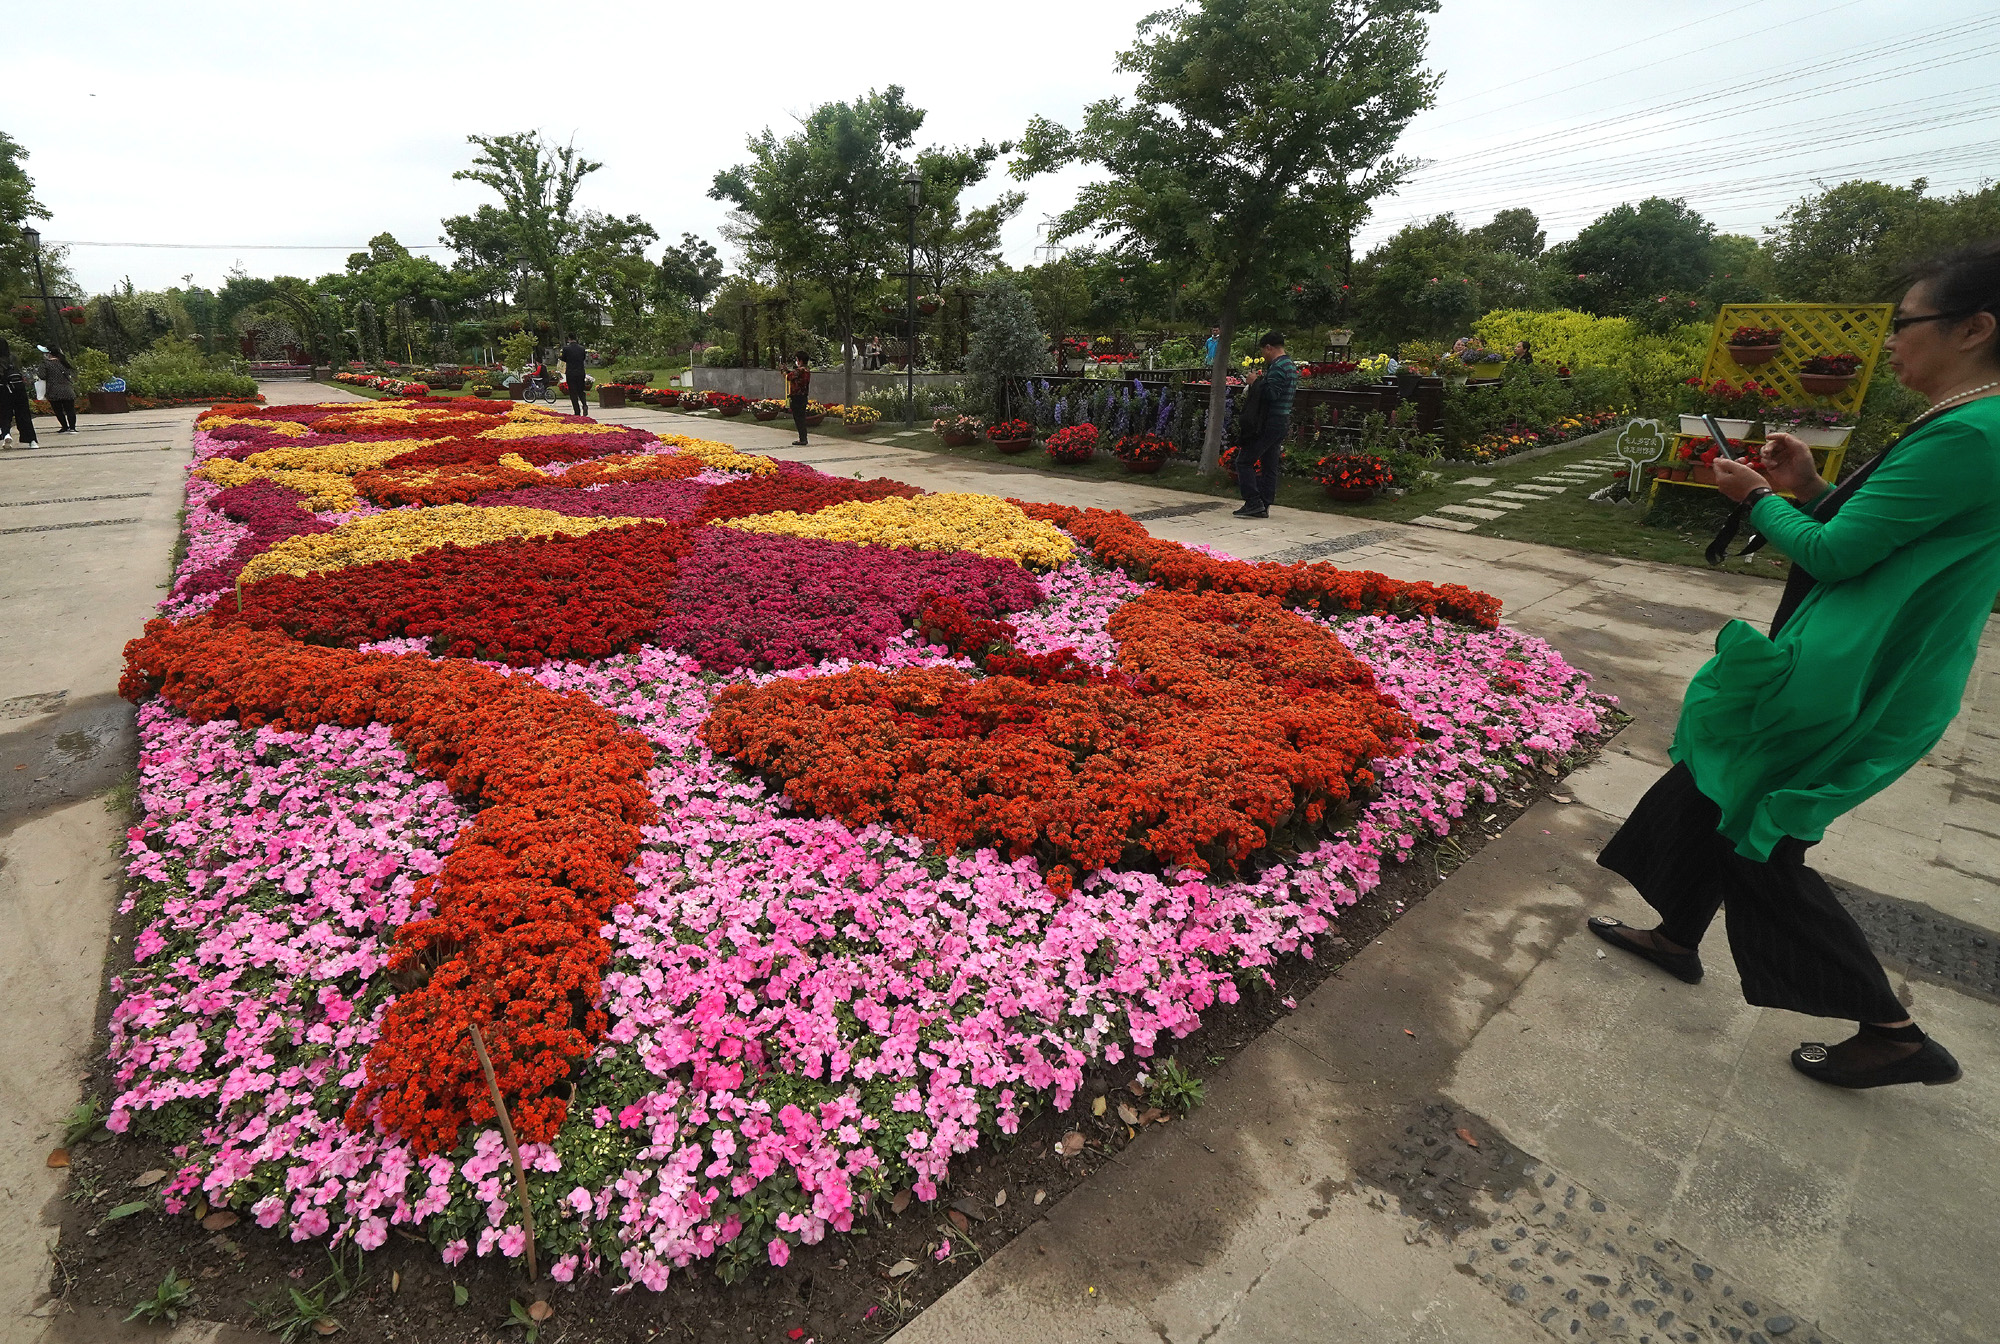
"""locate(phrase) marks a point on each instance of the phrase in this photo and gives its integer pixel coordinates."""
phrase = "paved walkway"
(1671, 1177)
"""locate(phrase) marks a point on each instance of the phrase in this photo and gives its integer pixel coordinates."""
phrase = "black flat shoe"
(1931, 1065)
(1681, 965)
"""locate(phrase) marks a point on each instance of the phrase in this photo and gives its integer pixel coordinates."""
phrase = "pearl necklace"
(1943, 402)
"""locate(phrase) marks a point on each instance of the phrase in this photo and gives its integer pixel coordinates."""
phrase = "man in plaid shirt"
(1267, 410)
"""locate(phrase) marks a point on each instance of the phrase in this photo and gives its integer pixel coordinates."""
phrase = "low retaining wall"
(827, 384)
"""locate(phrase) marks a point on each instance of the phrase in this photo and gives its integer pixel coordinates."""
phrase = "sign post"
(1640, 442)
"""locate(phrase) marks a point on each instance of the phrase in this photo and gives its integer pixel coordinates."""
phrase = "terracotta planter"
(1702, 473)
(1677, 473)
(109, 403)
(860, 429)
(812, 420)
(1142, 468)
(1347, 495)
(610, 398)
(732, 414)
(1826, 384)
(765, 415)
(955, 439)
(1013, 445)
(1750, 356)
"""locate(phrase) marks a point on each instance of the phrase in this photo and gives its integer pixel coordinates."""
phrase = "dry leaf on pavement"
(59, 1158)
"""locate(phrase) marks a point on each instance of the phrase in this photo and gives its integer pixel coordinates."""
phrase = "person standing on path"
(1894, 575)
(1262, 445)
(59, 379)
(17, 418)
(798, 387)
(1208, 351)
(573, 356)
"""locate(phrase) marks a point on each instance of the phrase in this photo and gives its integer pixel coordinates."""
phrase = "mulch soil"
(841, 1291)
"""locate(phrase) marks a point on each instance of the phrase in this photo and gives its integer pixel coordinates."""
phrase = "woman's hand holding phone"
(1789, 464)
(1734, 479)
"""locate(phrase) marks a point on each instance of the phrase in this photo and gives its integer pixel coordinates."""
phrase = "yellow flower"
(291, 429)
(349, 459)
(402, 533)
(982, 524)
(323, 490)
(720, 455)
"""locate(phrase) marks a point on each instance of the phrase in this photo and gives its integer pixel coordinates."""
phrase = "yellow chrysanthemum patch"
(530, 422)
(720, 455)
(348, 459)
(323, 490)
(402, 533)
(291, 429)
(981, 524)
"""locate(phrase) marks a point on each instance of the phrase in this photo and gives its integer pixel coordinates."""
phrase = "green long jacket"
(1787, 734)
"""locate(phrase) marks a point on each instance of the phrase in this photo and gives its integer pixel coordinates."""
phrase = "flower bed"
(1052, 789)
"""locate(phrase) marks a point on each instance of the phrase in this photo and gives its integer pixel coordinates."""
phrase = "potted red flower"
(728, 403)
(1751, 346)
(1072, 446)
(1353, 477)
(1829, 375)
(1142, 453)
(1011, 436)
(73, 315)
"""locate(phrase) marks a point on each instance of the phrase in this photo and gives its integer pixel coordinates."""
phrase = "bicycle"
(535, 389)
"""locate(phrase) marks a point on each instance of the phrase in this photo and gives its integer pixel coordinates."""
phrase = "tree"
(1516, 232)
(1007, 341)
(1259, 129)
(1434, 278)
(1858, 241)
(536, 182)
(955, 245)
(827, 201)
(1633, 254)
(17, 206)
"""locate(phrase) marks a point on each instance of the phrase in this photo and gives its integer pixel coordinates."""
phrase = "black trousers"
(15, 410)
(799, 416)
(65, 410)
(1257, 463)
(579, 404)
(1795, 945)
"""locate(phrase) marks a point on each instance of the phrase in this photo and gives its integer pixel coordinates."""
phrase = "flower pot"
(1826, 384)
(765, 415)
(108, 403)
(1349, 495)
(1143, 468)
(1013, 445)
(1702, 473)
(955, 439)
(1736, 429)
(1750, 356)
(610, 398)
(1820, 436)
(863, 428)
(731, 414)
(1457, 383)
(813, 420)
(1677, 473)
(927, 308)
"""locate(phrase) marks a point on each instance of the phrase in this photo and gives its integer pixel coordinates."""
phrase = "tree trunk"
(847, 356)
(1218, 380)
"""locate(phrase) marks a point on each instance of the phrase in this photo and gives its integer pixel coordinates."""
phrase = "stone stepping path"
(1485, 508)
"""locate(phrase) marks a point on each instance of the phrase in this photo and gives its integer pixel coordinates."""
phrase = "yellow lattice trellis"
(1810, 329)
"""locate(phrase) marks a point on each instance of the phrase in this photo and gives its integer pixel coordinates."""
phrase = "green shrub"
(174, 368)
(1651, 365)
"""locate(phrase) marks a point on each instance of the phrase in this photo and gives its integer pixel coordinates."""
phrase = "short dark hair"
(1965, 282)
(799, 357)
(1276, 338)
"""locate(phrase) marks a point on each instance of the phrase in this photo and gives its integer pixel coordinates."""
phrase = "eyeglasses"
(1897, 324)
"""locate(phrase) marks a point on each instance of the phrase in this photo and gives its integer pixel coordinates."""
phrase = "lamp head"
(33, 235)
(916, 186)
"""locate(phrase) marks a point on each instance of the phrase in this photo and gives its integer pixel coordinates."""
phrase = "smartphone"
(1721, 439)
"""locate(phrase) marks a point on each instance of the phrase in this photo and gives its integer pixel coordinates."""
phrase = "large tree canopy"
(1633, 254)
(536, 182)
(1259, 129)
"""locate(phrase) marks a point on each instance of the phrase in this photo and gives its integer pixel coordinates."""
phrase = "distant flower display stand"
(1814, 334)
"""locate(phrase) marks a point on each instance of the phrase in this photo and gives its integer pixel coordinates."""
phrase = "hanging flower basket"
(1826, 384)
(1751, 346)
(74, 316)
(928, 304)
(1829, 375)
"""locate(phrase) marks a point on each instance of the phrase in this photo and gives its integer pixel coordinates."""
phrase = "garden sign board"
(1640, 442)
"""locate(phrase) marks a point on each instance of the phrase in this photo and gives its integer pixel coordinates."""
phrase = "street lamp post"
(916, 186)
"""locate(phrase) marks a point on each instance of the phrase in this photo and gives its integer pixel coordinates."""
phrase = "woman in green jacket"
(1894, 576)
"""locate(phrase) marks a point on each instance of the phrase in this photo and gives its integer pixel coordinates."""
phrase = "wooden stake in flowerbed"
(507, 1133)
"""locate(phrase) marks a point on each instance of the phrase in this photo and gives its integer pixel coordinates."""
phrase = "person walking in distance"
(1208, 351)
(798, 387)
(573, 356)
(17, 418)
(1894, 574)
(1261, 447)
(60, 381)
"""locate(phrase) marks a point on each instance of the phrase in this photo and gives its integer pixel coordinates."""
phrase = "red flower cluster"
(455, 484)
(1756, 336)
(1142, 450)
(792, 492)
(728, 403)
(1010, 431)
(1238, 723)
(515, 945)
(1072, 445)
(1353, 471)
(540, 449)
(521, 600)
(272, 513)
(1117, 540)
(1833, 366)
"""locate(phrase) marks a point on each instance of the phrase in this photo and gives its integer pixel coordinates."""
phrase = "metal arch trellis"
(1810, 329)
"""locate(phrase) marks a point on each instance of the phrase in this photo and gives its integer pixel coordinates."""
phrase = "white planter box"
(1819, 437)
(1735, 429)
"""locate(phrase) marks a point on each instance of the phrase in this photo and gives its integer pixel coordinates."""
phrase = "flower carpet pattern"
(787, 837)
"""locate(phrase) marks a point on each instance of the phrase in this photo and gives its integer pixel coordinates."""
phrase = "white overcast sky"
(249, 125)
